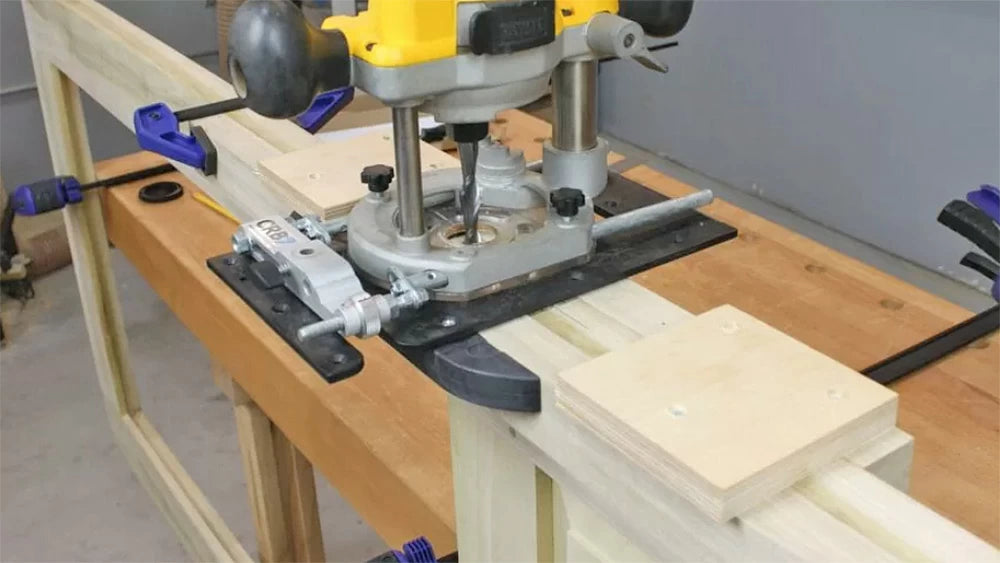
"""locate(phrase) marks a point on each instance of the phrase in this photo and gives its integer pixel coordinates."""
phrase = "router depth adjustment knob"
(567, 201)
(378, 177)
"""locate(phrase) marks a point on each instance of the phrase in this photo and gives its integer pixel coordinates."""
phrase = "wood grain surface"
(726, 409)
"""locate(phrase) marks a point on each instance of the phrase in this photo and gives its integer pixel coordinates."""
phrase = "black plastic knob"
(567, 201)
(279, 62)
(378, 177)
(659, 18)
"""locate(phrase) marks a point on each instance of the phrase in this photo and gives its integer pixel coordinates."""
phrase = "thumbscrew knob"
(567, 201)
(378, 177)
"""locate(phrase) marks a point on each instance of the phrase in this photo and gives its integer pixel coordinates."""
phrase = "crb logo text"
(274, 231)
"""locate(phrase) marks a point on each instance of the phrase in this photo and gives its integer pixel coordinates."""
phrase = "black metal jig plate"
(329, 354)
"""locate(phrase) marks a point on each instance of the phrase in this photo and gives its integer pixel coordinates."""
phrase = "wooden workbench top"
(381, 437)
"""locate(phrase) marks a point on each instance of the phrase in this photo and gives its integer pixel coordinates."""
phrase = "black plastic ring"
(159, 192)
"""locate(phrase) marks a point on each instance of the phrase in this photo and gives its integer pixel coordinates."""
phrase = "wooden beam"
(888, 457)
(325, 179)
(582, 534)
(889, 518)
(502, 501)
(198, 524)
(66, 131)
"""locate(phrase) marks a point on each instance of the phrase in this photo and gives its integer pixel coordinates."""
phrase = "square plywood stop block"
(726, 410)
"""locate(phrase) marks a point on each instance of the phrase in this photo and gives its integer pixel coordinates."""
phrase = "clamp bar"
(935, 347)
(208, 110)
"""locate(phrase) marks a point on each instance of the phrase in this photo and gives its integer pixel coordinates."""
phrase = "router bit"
(467, 137)
(468, 154)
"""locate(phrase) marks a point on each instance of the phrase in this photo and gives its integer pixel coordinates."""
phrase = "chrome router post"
(409, 187)
(574, 90)
(575, 157)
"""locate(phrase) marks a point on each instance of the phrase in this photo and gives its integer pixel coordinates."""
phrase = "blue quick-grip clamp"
(977, 220)
(324, 107)
(46, 195)
(158, 130)
(418, 550)
(987, 198)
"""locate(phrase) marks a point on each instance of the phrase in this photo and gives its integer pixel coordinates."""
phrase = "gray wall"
(864, 116)
(187, 25)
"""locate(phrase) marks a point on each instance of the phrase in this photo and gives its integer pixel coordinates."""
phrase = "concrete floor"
(66, 492)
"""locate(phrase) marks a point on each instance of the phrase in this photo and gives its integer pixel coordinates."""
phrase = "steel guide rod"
(574, 92)
(409, 186)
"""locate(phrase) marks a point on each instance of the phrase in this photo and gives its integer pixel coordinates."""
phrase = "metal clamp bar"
(643, 217)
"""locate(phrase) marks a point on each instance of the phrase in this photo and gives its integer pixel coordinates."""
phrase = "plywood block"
(325, 179)
(725, 409)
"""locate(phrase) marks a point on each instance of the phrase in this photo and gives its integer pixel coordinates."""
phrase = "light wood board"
(726, 409)
(325, 179)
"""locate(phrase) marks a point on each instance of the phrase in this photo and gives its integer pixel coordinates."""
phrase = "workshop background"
(863, 116)
(852, 122)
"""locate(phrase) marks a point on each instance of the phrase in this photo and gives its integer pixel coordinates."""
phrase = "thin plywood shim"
(725, 409)
(325, 179)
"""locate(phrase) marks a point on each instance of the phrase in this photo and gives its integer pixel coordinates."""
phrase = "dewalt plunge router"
(432, 258)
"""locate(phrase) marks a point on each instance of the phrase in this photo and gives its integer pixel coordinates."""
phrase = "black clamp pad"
(211, 155)
(473, 370)
(974, 224)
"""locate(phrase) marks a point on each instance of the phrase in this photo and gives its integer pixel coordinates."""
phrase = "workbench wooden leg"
(298, 493)
(503, 503)
(199, 526)
(280, 483)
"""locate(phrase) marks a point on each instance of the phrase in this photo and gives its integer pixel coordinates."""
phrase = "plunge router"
(427, 259)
